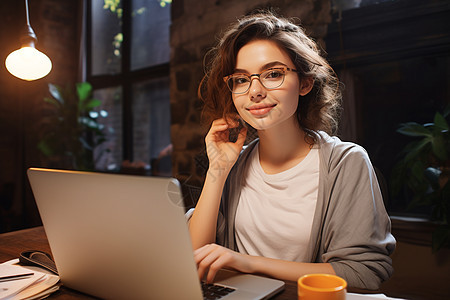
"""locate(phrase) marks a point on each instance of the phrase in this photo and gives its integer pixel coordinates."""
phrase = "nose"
(256, 90)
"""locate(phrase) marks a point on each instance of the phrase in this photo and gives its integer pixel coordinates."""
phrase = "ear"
(306, 85)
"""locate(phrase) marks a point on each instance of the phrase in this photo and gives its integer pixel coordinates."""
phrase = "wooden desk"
(13, 243)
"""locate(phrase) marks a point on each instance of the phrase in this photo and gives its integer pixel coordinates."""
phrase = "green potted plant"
(71, 128)
(424, 170)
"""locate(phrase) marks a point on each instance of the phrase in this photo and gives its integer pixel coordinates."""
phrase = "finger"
(201, 252)
(219, 122)
(236, 147)
(233, 120)
(218, 128)
(211, 259)
(220, 262)
(201, 271)
(242, 136)
(233, 123)
(203, 258)
(217, 132)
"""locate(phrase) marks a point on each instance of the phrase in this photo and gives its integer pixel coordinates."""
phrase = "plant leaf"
(415, 148)
(85, 144)
(45, 148)
(439, 149)
(440, 122)
(92, 104)
(89, 122)
(55, 91)
(84, 90)
(52, 101)
(413, 129)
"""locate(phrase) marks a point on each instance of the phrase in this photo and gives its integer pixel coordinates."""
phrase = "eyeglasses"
(271, 78)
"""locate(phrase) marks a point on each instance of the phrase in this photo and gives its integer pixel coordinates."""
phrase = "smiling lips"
(260, 109)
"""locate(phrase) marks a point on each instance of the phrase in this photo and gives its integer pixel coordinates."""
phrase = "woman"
(296, 200)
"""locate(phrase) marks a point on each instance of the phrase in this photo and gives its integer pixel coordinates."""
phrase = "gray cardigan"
(350, 230)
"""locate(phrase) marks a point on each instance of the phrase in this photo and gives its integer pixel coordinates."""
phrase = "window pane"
(150, 36)
(151, 113)
(106, 38)
(108, 156)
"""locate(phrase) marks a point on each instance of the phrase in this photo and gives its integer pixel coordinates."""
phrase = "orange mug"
(321, 287)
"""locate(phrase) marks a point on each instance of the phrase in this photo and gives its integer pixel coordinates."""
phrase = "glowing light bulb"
(28, 63)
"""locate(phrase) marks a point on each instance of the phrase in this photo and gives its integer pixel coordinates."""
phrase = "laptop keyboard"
(215, 291)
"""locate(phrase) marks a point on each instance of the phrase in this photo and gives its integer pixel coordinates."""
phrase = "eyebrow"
(264, 67)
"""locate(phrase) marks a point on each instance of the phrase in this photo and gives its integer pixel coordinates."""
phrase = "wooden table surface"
(13, 243)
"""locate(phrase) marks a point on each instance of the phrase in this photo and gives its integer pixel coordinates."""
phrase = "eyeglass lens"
(270, 79)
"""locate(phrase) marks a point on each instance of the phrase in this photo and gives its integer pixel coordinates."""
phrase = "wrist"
(253, 264)
(218, 173)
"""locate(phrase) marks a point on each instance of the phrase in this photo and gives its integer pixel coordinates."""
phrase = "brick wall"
(21, 103)
(196, 26)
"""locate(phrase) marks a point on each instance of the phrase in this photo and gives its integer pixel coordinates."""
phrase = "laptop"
(125, 237)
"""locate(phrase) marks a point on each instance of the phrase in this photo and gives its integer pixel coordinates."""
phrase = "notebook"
(125, 237)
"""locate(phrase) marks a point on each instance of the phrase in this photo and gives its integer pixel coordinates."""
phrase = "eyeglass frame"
(226, 78)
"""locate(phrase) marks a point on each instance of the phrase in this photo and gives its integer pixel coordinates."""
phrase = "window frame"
(125, 78)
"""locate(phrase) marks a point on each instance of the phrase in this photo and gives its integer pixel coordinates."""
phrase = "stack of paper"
(25, 282)
(354, 296)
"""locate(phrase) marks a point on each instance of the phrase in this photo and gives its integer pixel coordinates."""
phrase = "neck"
(282, 147)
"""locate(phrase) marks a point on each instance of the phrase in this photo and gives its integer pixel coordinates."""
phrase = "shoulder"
(334, 152)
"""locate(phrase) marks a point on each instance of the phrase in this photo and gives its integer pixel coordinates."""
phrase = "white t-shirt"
(275, 211)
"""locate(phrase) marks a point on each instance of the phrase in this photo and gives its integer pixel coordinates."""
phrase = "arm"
(211, 258)
(222, 155)
(356, 241)
(356, 238)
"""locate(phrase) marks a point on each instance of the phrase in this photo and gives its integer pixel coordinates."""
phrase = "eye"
(273, 74)
(240, 79)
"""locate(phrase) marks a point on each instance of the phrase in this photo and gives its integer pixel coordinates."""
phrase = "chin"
(261, 124)
(270, 121)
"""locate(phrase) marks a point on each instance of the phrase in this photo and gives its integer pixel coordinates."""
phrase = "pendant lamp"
(28, 63)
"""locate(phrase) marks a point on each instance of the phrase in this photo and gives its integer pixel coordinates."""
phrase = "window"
(395, 66)
(127, 62)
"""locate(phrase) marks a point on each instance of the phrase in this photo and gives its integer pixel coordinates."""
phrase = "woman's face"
(260, 107)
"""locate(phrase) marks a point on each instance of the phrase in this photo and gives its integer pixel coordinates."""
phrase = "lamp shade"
(28, 63)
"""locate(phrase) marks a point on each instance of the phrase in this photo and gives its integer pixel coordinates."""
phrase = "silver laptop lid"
(117, 236)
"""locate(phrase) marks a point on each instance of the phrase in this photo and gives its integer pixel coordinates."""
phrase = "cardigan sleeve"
(356, 236)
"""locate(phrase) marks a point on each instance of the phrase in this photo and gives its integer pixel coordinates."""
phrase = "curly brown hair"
(318, 110)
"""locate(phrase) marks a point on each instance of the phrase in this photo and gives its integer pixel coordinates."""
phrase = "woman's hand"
(222, 153)
(212, 257)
